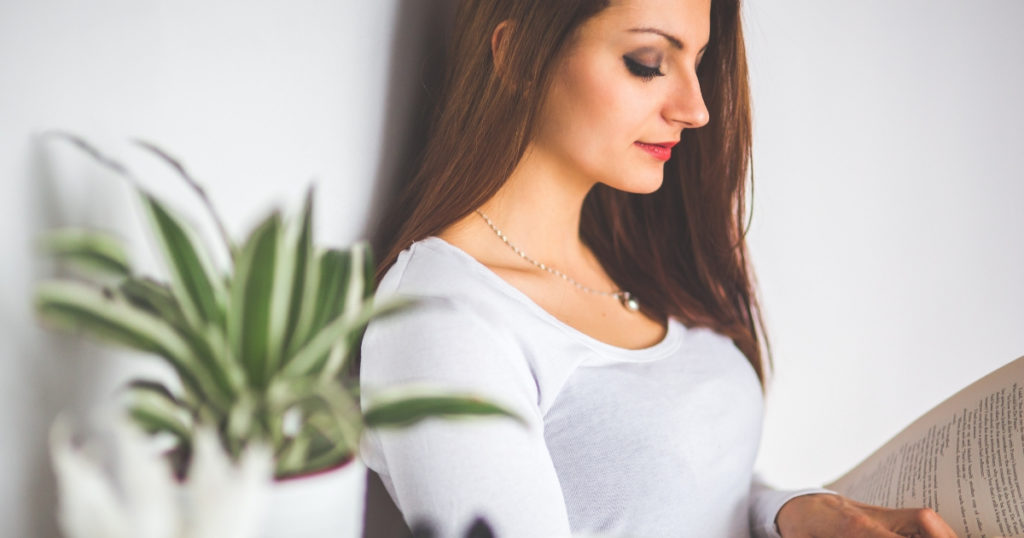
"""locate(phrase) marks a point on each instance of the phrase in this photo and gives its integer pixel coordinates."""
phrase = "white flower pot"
(326, 504)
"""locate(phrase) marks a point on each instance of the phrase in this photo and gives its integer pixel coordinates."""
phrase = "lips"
(659, 150)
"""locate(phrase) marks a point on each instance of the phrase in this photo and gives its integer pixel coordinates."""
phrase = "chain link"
(624, 297)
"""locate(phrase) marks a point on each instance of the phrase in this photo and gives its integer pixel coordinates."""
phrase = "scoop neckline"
(669, 343)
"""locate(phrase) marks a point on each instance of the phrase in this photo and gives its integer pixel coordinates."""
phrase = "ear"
(500, 39)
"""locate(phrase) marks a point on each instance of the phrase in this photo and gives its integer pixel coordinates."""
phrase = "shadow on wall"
(418, 44)
(62, 373)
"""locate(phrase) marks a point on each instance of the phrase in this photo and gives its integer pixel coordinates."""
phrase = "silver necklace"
(628, 301)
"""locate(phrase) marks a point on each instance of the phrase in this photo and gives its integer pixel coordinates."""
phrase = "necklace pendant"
(630, 302)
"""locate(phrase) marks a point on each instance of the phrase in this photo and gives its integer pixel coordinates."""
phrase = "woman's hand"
(823, 515)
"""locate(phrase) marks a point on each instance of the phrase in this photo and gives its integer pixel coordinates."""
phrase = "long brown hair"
(681, 248)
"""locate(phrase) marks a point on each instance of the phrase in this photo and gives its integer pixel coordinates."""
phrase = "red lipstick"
(659, 150)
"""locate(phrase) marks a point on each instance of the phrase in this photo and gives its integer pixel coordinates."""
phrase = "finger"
(932, 524)
(878, 530)
(923, 522)
(865, 523)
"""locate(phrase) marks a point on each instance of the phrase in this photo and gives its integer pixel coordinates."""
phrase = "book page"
(964, 459)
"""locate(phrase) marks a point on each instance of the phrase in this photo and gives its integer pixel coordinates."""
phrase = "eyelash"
(643, 71)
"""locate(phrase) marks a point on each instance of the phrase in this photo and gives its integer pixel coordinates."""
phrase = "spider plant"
(261, 350)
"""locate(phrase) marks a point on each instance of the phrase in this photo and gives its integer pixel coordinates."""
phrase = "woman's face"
(624, 90)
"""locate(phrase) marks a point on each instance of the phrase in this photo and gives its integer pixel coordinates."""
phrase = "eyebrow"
(675, 41)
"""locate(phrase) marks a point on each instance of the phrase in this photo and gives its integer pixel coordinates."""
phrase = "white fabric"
(654, 442)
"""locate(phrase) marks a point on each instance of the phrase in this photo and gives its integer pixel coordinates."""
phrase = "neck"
(539, 208)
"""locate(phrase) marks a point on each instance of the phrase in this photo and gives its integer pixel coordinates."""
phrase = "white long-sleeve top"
(653, 442)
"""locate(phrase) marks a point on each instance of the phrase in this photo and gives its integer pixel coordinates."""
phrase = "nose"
(685, 104)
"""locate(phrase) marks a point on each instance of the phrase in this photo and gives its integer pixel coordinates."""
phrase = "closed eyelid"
(641, 70)
(644, 63)
(648, 54)
(656, 56)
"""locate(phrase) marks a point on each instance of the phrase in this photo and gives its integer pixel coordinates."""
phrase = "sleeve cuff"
(766, 503)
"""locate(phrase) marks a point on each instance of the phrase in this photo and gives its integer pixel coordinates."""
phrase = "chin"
(652, 187)
(642, 185)
(636, 178)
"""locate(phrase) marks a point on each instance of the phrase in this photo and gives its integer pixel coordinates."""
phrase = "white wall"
(259, 98)
(888, 226)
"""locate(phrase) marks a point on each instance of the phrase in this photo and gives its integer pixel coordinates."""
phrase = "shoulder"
(435, 324)
(440, 343)
(452, 290)
(452, 334)
(431, 267)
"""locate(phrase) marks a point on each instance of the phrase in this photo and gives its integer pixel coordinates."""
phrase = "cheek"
(598, 110)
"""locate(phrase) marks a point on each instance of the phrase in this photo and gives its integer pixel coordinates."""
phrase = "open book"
(964, 459)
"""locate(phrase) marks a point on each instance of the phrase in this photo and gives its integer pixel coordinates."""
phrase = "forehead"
(687, 20)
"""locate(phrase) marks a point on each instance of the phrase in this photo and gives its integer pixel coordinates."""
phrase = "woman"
(576, 233)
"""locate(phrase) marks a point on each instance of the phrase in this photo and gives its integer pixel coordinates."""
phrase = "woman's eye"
(645, 72)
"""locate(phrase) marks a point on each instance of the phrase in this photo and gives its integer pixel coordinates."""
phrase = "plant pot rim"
(319, 472)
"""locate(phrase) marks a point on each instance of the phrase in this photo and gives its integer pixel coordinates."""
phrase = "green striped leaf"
(183, 174)
(90, 251)
(293, 255)
(208, 344)
(290, 396)
(360, 277)
(156, 387)
(335, 266)
(343, 414)
(157, 410)
(344, 279)
(210, 349)
(154, 297)
(242, 423)
(293, 457)
(75, 305)
(251, 291)
(309, 359)
(283, 394)
(369, 267)
(329, 444)
(223, 359)
(337, 357)
(302, 291)
(312, 294)
(323, 297)
(106, 315)
(193, 281)
(322, 446)
(329, 421)
(355, 276)
(410, 410)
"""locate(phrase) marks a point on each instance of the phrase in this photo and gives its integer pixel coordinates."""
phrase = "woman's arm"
(824, 513)
(447, 471)
(816, 511)
(833, 515)
(766, 502)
